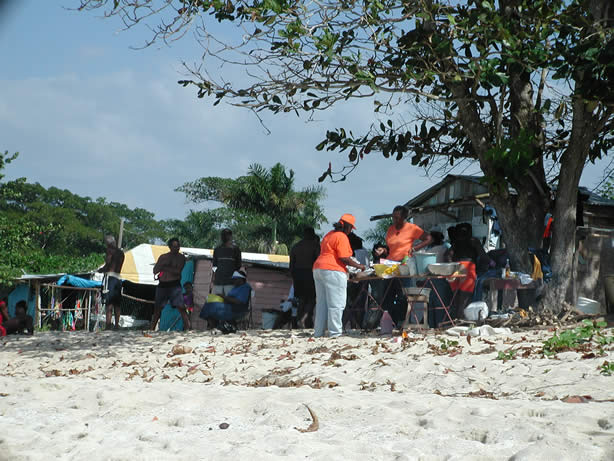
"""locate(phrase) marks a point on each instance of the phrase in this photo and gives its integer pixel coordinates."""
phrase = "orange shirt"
(399, 241)
(334, 245)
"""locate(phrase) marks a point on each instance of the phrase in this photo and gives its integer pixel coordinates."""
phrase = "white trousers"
(331, 294)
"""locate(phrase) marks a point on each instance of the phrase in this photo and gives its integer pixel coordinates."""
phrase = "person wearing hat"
(330, 277)
(236, 302)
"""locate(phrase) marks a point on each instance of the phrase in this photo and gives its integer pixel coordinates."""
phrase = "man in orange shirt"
(400, 239)
(330, 277)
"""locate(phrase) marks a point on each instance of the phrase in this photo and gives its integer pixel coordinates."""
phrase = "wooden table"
(497, 284)
(411, 299)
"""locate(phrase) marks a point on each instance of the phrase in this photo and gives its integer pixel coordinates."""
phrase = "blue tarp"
(78, 282)
(22, 293)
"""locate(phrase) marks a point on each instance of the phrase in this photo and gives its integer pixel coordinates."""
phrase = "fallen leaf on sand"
(469, 339)
(192, 369)
(179, 349)
(540, 394)
(314, 426)
(574, 399)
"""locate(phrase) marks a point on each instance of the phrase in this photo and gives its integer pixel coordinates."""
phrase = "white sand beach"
(125, 396)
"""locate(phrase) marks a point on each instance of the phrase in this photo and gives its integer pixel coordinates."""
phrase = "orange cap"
(348, 218)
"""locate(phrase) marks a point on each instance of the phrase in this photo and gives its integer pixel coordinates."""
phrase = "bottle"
(507, 269)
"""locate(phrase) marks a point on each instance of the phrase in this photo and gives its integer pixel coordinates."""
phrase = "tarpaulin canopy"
(139, 261)
(78, 282)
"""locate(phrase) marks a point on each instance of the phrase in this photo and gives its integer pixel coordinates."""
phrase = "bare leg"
(108, 313)
(155, 317)
(118, 312)
(307, 319)
(187, 325)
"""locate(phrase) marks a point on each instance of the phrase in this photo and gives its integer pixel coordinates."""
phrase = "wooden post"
(37, 303)
(121, 233)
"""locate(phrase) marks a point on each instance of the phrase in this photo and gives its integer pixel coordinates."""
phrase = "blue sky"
(89, 114)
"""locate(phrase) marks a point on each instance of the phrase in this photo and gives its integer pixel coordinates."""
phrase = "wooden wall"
(270, 286)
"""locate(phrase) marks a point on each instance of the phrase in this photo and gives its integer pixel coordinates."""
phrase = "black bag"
(227, 327)
(372, 318)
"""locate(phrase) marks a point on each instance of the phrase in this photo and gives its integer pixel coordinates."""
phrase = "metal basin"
(443, 268)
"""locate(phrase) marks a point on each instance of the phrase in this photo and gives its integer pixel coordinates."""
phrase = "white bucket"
(423, 260)
(588, 306)
(268, 320)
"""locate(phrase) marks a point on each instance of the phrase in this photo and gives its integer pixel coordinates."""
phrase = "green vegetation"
(607, 368)
(590, 332)
(52, 230)
(509, 354)
(447, 344)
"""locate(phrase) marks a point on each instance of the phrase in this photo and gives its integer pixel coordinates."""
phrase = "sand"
(125, 396)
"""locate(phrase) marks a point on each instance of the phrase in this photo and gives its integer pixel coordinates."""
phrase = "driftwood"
(314, 426)
(544, 318)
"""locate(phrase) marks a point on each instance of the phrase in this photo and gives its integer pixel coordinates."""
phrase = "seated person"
(288, 312)
(21, 323)
(236, 302)
(188, 296)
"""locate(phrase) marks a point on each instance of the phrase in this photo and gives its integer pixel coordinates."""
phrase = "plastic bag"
(372, 318)
(477, 310)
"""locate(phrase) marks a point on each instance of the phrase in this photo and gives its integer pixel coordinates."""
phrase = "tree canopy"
(524, 88)
(45, 230)
(263, 208)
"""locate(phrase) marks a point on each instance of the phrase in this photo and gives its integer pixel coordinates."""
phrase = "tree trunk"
(561, 289)
(521, 218)
(274, 234)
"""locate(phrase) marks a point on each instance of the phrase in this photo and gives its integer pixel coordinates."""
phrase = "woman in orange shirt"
(402, 235)
(400, 239)
(330, 277)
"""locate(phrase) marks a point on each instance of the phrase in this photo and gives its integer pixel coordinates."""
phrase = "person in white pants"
(330, 277)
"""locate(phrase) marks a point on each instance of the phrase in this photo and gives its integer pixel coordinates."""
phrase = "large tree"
(262, 201)
(524, 88)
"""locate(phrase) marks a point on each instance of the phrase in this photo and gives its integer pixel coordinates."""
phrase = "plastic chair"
(246, 321)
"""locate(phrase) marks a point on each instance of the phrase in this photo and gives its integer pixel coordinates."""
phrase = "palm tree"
(266, 199)
(271, 193)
